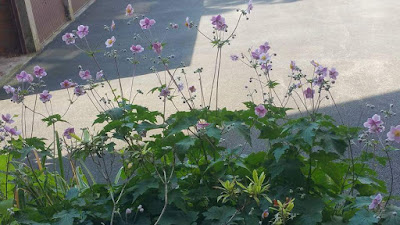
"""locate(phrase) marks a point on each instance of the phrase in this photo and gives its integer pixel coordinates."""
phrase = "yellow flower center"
(264, 57)
(397, 133)
(110, 41)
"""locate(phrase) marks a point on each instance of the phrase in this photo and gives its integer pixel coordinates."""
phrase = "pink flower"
(82, 31)
(249, 6)
(260, 111)
(39, 72)
(265, 214)
(375, 202)
(192, 89)
(112, 27)
(234, 57)
(374, 124)
(137, 48)
(79, 90)
(12, 131)
(164, 92)
(146, 23)
(9, 89)
(218, 22)
(99, 75)
(85, 75)
(333, 73)
(157, 47)
(309, 93)
(188, 24)
(69, 38)
(394, 134)
(129, 10)
(202, 124)
(67, 84)
(45, 96)
(174, 26)
(7, 118)
(24, 77)
(68, 132)
(110, 42)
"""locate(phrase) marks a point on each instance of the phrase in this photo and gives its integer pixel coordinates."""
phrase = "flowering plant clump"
(180, 168)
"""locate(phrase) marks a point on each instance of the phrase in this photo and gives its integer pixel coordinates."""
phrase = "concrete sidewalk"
(359, 38)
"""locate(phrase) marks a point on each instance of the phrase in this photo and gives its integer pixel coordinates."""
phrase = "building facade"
(26, 25)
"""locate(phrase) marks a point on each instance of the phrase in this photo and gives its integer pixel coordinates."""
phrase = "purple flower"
(180, 87)
(16, 97)
(256, 54)
(146, 23)
(174, 26)
(7, 118)
(157, 47)
(69, 38)
(82, 31)
(110, 42)
(260, 111)
(9, 89)
(293, 66)
(99, 75)
(137, 48)
(164, 92)
(263, 58)
(234, 57)
(39, 72)
(85, 74)
(202, 124)
(192, 89)
(24, 77)
(322, 71)
(265, 47)
(394, 134)
(68, 132)
(318, 81)
(333, 73)
(376, 201)
(67, 84)
(266, 67)
(309, 93)
(45, 96)
(249, 6)
(315, 64)
(129, 10)
(79, 90)
(374, 124)
(218, 22)
(12, 131)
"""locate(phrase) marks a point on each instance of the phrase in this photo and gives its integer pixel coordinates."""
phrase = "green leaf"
(53, 119)
(183, 145)
(66, 217)
(60, 156)
(280, 151)
(310, 210)
(220, 214)
(363, 217)
(120, 175)
(177, 217)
